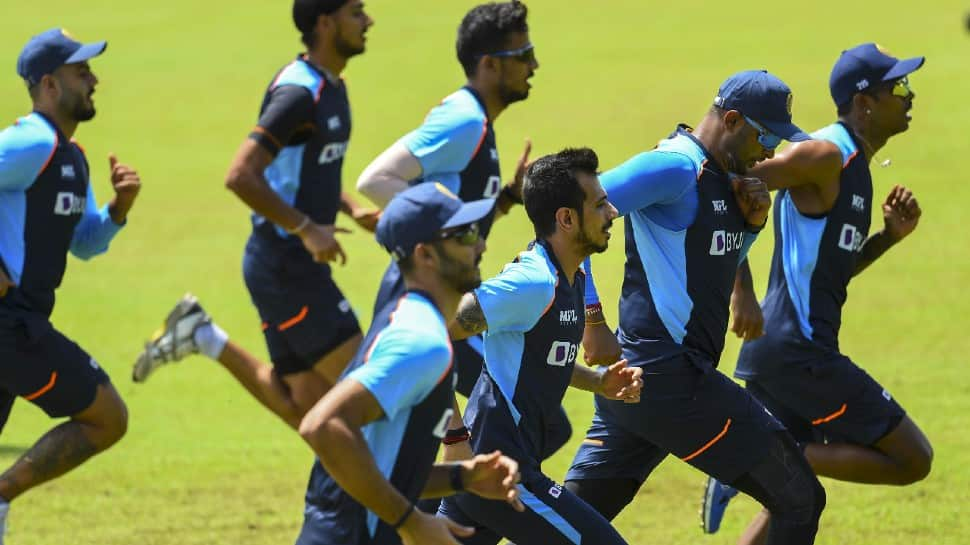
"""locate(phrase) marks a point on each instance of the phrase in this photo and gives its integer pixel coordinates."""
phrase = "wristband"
(301, 226)
(596, 323)
(454, 478)
(593, 309)
(456, 436)
(407, 513)
(510, 194)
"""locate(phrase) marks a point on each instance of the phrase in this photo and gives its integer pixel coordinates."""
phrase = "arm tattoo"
(470, 316)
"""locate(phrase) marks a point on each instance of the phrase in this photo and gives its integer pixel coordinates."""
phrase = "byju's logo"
(723, 242)
(850, 239)
(332, 152)
(858, 203)
(561, 353)
(69, 204)
(492, 188)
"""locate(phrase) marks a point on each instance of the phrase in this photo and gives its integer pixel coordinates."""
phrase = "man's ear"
(566, 218)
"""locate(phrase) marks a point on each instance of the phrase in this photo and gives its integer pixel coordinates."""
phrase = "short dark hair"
(551, 184)
(306, 12)
(485, 29)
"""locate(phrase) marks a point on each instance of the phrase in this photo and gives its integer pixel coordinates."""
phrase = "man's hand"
(423, 529)
(126, 184)
(747, 321)
(752, 197)
(494, 477)
(621, 382)
(366, 218)
(321, 242)
(5, 283)
(901, 213)
(600, 346)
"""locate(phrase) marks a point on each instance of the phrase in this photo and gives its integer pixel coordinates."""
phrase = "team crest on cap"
(788, 104)
(445, 190)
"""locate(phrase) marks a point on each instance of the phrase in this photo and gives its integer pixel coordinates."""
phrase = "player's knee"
(916, 468)
(112, 423)
(607, 496)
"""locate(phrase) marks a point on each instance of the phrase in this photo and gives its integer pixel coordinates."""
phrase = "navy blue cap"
(864, 66)
(52, 49)
(419, 213)
(762, 97)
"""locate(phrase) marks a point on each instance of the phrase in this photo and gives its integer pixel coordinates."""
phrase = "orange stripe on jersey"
(43, 390)
(849, 160)
(481, 139)
(50, 157)
(294, 320)
(710, 443)
(832, 416)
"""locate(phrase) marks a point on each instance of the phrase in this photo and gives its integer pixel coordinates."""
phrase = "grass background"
(180, 87)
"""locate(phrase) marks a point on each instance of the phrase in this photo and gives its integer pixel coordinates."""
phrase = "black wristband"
(510, 194)
(400, 522)
(454, 478)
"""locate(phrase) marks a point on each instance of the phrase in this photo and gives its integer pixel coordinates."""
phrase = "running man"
(533, 313)
(848, 425)
(289, 172)
(47, 209)
(692, 215)
(388, 415)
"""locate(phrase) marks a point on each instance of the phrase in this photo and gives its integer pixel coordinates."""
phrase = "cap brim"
(470, 212)
(904, 67)
(87, 51)
(788, 131)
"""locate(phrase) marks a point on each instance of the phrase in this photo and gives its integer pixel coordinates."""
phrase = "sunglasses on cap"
(524, 54)
(766, 138)
(466, 235)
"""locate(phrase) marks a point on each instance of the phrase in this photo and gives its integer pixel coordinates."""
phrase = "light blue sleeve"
(25, 149)
(749, 239)
(653, 177)
(94, 232)
(403, 368)
(591, 296)
(514, 300)
(448, 138)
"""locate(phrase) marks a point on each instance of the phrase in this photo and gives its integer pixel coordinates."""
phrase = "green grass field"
(181, 83)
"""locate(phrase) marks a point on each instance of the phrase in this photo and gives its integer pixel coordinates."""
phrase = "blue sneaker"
(716, 498)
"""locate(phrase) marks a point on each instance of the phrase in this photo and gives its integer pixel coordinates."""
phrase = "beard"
(346, 49)
(459, 276)
(586, 242)
(509, 96)
(79, 109)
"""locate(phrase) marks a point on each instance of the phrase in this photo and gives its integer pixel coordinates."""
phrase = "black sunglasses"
(466, 235)
(526, 54)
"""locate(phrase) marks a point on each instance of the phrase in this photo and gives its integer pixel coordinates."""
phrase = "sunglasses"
(466, 235)
(902, 89)
(765, 137)
(526, 54)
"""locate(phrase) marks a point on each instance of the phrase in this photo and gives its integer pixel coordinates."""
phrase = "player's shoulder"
(300, 74)
(534, 273)
(29, 142)
(419, 322)
(680, 153)
(460, 109)
(829, 143)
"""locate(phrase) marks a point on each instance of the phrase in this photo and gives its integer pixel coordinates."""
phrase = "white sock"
(211, 340)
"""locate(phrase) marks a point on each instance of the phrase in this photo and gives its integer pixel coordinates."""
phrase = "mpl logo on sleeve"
(67, 172)
(858, 203)
(723, 242)
(850, 239)
(69, 204)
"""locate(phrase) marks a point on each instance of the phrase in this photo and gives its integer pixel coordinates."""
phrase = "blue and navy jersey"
(535, 322)
(47, 209)
(405, 362)
(305, 122)
(685, 236)
(456, 147)
(814, 260)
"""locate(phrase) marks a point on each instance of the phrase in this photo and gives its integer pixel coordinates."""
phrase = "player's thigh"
(52, 372)
(552, 516)
(610, 450)
(703, 417)
(344, 527)
(332, 364)
(800, 429)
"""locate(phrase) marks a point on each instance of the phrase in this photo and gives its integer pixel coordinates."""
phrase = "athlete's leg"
(68, 445)
(902, 457)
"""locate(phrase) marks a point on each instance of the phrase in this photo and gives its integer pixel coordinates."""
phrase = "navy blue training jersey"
(305, 122)
(47, 208)
(814, 260)
(685, 236)
(405, 362)
(535, 327)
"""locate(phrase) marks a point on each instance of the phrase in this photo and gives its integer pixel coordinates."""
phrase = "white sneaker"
(174, 341)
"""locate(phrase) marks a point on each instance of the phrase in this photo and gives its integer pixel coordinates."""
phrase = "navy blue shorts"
(346, 526)
(304, 314)
(469, 354)
(687, 409)
(41, 365)
(552, 516)
(829, 400)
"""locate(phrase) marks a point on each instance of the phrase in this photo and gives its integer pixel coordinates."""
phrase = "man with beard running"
(377, 432)
(47, 209)
(289, 172)
(848, 425)
(692, 215)
(533, 315)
